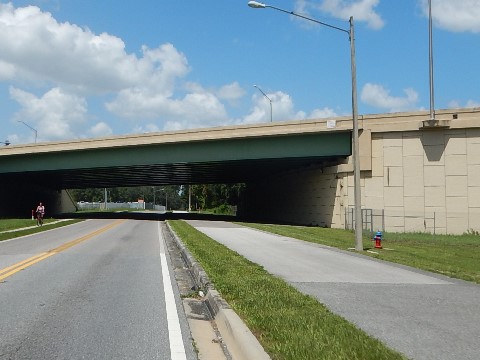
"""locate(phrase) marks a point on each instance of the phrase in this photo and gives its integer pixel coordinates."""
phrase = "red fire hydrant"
(378, 240)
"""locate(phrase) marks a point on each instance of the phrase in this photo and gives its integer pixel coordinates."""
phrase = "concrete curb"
(240, 341)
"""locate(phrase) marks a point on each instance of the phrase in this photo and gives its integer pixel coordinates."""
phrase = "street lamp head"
(256, 5)
(258, 88)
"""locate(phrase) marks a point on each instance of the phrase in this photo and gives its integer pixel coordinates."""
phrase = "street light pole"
(34, 130)
(153, 188)
(105, 198)
(430, 60)
(270, 100)
(189, 198)
(356, 147)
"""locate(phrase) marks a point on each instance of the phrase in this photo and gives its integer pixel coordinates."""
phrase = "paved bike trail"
(420, 314)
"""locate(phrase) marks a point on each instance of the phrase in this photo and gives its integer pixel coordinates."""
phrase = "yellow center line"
(9, 271)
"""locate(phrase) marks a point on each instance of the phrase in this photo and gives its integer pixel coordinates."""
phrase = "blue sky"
(75, 69)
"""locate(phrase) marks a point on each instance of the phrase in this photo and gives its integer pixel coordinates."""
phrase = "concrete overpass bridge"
(416, 174)
(239, 154)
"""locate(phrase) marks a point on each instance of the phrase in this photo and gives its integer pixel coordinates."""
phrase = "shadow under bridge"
(231, 155)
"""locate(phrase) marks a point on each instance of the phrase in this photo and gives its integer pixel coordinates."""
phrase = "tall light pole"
(270, 100)
(34, 130)
(166, 197)
(105, 198)
(153, 188)
(356, 152)
(430, 60)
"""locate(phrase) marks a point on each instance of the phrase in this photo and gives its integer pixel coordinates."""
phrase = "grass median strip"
(288, 324)
(456, 256)
(12, 224)
(15, 227)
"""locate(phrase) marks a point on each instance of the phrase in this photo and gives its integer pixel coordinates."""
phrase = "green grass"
(11, 224)
(456, 256)
(288, 324)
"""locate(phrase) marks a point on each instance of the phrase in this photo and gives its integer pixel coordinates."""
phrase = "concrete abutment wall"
(18, 200)
(312, 197)
(422, 177)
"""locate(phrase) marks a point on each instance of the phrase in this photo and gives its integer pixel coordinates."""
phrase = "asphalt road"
(99, 289)
(420, 314)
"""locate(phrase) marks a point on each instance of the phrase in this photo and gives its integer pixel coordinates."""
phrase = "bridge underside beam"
(219, 161)
(165, 174)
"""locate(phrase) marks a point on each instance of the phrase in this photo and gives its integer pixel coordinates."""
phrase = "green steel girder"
(209, 161)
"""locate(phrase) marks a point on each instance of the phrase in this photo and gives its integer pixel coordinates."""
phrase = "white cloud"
(7, 70)
(377, 96)
(40, 52)
(469, 104)
(231, 92)
(323, 113)
(473, 104)
(283, 109)
(148, 128)
(101, 129)
(55, 115)
(41, 49)
(37, 48)
(282, 105)
(457, 16)
(361, 10)
(194, 109)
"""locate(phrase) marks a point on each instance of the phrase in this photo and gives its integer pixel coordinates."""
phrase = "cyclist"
(40, 213)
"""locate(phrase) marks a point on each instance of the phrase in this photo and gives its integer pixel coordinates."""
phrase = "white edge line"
(177, 347)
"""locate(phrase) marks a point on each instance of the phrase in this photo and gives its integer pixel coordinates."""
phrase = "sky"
(75, 69)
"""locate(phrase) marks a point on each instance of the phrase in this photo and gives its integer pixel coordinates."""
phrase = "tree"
(204, 196)
(209, 196)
